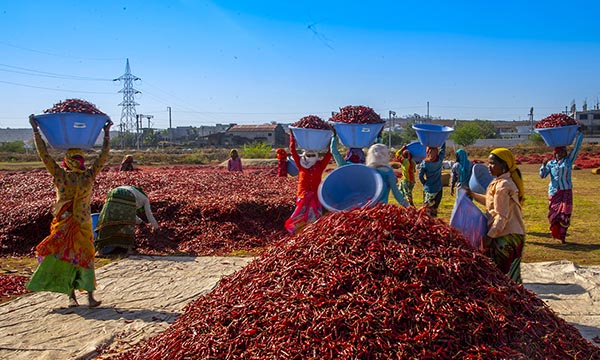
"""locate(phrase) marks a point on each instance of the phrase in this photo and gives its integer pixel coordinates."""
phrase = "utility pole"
(531, 119)
(170, 126)
(428, 120)
(390, 118)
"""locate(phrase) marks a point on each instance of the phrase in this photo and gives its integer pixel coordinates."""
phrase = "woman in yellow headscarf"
(66, 256)
(503, 199)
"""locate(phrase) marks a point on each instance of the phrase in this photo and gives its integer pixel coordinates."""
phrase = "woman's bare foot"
(73, 300)
(93, 302)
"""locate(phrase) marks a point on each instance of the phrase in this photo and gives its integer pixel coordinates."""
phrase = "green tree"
(537, 139)
(257, 150)
(488, 130)
(466, 133)
(408, 134)
(13, 147)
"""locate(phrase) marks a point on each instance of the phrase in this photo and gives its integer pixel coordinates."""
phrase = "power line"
(32, 72)
(59, 55)
(54, 89)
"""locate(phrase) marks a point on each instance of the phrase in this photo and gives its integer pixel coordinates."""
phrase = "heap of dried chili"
(12, 285)
(74, 105)
(376, 283)
(357, 115)
(312, 122)
(555, 120)
(201, 210)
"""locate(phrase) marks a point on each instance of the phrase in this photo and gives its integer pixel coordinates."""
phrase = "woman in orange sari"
(66, 256)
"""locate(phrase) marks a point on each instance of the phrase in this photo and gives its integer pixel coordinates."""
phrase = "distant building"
(11, 135)
(590, 119)
(271, 134)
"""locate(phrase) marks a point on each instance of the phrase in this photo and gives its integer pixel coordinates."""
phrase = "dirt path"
(141, 295)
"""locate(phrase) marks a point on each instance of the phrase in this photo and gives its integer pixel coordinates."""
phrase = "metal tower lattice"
(128, 114)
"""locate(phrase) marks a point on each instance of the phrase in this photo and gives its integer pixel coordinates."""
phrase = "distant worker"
(461, 171)
(430, 175)
(560, 188)
(127, 163)
(235, 162)
(408, 180)
(282, 162)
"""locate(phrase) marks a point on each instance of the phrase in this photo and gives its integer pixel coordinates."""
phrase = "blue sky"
(253, 62)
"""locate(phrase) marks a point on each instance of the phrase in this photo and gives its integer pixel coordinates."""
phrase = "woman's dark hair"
(501, 162)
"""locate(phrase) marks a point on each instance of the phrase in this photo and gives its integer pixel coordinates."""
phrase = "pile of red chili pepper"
(555, 120)
(201, 210)
(312, 122)
(584, 160)
(74, 105)
(12, 285)
(357, 115)
(377, 283)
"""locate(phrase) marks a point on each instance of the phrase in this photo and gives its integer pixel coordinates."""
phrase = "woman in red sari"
(310, 172)
(66, 256)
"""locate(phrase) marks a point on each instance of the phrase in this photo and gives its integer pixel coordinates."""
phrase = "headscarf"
(355, 155)
(233, 153)
(307, 160)
(432, 154)
(378, 155)
(127, 159)
(464, 166)
(281, 153)
(505, 155)
(559, 149)
(74, 160)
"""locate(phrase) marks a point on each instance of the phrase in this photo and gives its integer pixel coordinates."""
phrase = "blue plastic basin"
(480, 178)
(71, 130)
(95, 217)
(432, 135)
(292, 169)
(312, 139)
(357, 135)
(350, 186)
(417, 150)
(558, 136)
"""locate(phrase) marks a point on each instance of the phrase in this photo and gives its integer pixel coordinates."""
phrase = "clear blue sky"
(252, 62)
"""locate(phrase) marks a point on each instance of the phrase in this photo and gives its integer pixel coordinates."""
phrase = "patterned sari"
(66, 256)
(506, 251)
(559, 213)
(116, 224)
(308, 210)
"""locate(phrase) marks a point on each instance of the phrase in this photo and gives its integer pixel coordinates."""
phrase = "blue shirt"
(430, 173)
(560, 170)
(390, 183)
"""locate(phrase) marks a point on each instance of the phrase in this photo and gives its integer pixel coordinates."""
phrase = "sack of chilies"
(468, 219)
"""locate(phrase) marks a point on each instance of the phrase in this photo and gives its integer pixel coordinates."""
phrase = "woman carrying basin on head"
(66, 256)
(560, 188)
(310, 172)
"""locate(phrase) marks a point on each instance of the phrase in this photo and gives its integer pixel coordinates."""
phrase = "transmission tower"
(128, 114)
